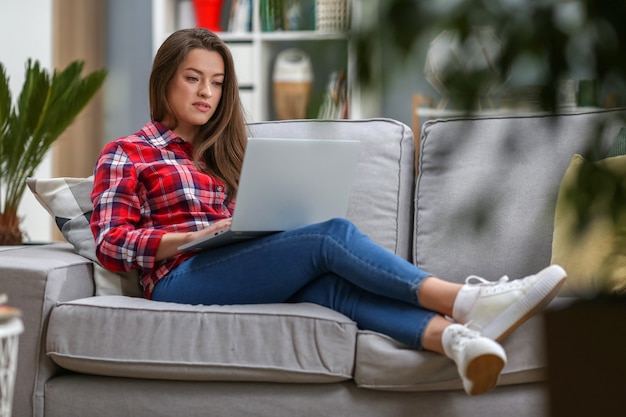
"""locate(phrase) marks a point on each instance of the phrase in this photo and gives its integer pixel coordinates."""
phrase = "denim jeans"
(331, 264)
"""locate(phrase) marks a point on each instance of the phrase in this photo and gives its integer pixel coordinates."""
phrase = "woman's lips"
(204, 107)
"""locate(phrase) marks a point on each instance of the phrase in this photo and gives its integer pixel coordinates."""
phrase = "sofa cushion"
(381, 197)
(487, 189)
(138, 338)
(593, 253)
(68, 201)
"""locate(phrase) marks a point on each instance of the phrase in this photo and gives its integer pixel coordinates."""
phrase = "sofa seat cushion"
(139, 338)
(385, 364)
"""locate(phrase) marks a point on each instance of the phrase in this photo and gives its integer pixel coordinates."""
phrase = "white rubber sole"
(544, 290)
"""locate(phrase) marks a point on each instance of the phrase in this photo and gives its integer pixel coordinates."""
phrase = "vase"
(208, 14)
(293, 78)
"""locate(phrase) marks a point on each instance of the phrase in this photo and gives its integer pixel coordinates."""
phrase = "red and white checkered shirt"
(146, 185)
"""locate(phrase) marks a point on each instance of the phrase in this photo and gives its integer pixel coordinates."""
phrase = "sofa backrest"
(381, 198)
(487, 187)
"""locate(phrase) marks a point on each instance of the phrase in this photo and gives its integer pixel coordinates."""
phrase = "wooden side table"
(420, 101)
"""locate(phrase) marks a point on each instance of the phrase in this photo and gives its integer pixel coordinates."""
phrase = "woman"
(176, 180)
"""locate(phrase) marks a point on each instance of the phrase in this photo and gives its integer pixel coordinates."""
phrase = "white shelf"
(303, 35)
(255, 51)
(236, 37)
(310, 35)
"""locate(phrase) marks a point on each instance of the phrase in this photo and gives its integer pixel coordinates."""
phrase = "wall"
(129, 60)
(26, 32)
(404, 76)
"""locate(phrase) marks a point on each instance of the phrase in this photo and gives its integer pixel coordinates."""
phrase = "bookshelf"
(256, 47)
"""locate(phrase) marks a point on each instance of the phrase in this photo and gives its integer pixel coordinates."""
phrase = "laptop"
(288, 183)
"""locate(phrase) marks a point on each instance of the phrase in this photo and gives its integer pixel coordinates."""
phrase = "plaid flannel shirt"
(146, 185)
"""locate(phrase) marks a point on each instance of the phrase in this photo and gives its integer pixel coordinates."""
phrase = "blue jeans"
(331, 264)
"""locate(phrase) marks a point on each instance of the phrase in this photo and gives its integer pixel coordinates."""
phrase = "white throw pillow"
(68, 200)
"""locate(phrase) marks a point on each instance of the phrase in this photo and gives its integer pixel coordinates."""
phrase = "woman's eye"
(192, 79)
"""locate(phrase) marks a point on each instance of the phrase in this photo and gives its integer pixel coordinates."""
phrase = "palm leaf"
(45, 108)
(5, 113)
(5, 99)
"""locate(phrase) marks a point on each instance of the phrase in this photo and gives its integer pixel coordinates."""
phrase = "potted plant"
(46, 106)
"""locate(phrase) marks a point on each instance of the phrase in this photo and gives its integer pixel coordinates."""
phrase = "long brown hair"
(220, 143)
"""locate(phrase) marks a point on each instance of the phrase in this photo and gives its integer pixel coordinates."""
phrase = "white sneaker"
(478, 359)
(496, 309)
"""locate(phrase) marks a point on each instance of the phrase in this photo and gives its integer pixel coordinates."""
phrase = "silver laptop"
(288, 183)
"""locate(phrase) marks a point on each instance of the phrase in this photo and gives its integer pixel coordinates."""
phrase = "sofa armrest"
(36, 278)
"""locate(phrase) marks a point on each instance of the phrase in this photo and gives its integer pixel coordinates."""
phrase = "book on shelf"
(236, 16)
(240, 19)
(287, 15)
(335, 104)
(225, 14)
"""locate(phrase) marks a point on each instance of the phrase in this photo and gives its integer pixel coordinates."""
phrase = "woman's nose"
(206, 91)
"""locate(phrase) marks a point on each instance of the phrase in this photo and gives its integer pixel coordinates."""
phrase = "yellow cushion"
(594, 255)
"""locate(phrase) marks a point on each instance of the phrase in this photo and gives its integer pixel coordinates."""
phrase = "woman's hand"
(213, 228)
(171, 241)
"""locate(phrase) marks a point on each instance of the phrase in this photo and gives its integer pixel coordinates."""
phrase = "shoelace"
(491, 287)
(461, 337)
(483, 281)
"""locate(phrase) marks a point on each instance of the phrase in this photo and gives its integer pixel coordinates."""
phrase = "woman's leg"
(479, 360)
(273, 268)
(400, 320)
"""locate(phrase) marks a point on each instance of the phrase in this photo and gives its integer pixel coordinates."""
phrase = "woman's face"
(195, 92)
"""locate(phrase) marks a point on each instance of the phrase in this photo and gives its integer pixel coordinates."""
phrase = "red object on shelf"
(208, 14)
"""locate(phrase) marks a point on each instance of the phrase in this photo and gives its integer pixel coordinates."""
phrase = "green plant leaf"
(5, 98)
(45, 108)
(33, 97)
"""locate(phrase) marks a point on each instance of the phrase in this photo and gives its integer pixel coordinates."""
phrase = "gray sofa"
(88, 350)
